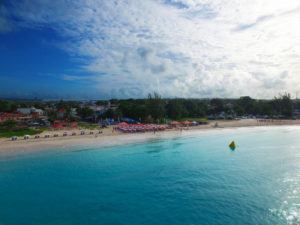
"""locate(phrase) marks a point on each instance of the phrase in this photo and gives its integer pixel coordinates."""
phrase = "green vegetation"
(20, 132)
(91, 126)
(85, 112)
(11, 128)
(7, 106)
(156, 109)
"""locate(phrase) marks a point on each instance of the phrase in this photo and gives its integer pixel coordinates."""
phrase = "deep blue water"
(186, 180)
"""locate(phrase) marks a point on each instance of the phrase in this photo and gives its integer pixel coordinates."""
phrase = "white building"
(28, 111)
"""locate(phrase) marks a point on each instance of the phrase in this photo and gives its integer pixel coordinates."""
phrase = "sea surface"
(189, 180)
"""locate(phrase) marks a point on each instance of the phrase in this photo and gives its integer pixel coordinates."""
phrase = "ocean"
(188, 180)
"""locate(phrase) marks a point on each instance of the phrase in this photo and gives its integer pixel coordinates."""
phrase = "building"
(24, 111)
(40, 112)
(57, 124)
(98, 110)
(14, 116)
(29, 111)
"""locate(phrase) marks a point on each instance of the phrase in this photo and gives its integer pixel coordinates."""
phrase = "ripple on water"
(289, 209)
(146, 183)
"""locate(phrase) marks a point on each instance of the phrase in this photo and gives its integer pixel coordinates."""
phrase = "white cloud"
(188, 48)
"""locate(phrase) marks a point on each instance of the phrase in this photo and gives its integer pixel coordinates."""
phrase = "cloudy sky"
(128, 48)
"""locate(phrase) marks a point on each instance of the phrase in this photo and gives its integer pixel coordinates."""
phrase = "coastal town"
(35, 119)
(155, 112)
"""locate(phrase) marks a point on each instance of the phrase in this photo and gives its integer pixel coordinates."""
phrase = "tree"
(155, 106)
(194, 108)
(246, 104)
(284, 105)
(8, 125)
(7, 106)
(216, 105)
(85, 112)
(135, 109)
(175, 109)
(101, 102)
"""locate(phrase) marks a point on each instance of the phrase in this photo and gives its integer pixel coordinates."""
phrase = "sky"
(102, 49)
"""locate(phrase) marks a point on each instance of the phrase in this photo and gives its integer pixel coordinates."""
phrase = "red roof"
(10, 115)
(59, 124)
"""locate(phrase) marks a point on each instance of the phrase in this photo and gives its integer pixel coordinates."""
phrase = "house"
(59, 124)
(25, 111)
(98, 110)
(13, 116)
(29, 111)
(40, 112)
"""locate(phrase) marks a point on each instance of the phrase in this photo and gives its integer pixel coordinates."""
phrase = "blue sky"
(121, 49)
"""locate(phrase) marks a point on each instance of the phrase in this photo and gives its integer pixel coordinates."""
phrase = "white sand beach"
(109, 137)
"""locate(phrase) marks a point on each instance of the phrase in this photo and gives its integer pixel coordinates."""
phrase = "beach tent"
(26, 137)
(186, 123)
(123, 124)
(14, 138)
(174, 123)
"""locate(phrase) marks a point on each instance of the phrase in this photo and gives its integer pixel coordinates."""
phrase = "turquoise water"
(185, 180)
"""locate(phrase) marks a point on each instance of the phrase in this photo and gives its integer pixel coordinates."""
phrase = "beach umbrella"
(175, 123)
(123, 124)
(13, 138)
(26, 137)
(186, 122)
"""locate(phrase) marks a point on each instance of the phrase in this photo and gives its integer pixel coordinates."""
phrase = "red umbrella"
(123, 124)
(186, 122)
(175, 123)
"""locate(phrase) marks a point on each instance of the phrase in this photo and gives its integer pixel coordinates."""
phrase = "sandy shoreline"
(110, 138)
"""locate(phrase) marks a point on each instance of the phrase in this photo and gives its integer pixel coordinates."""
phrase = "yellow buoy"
(232, 145)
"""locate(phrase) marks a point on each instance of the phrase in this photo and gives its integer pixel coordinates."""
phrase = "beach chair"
(13, 138)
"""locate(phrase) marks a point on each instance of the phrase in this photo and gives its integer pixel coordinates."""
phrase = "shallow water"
(187, 180)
